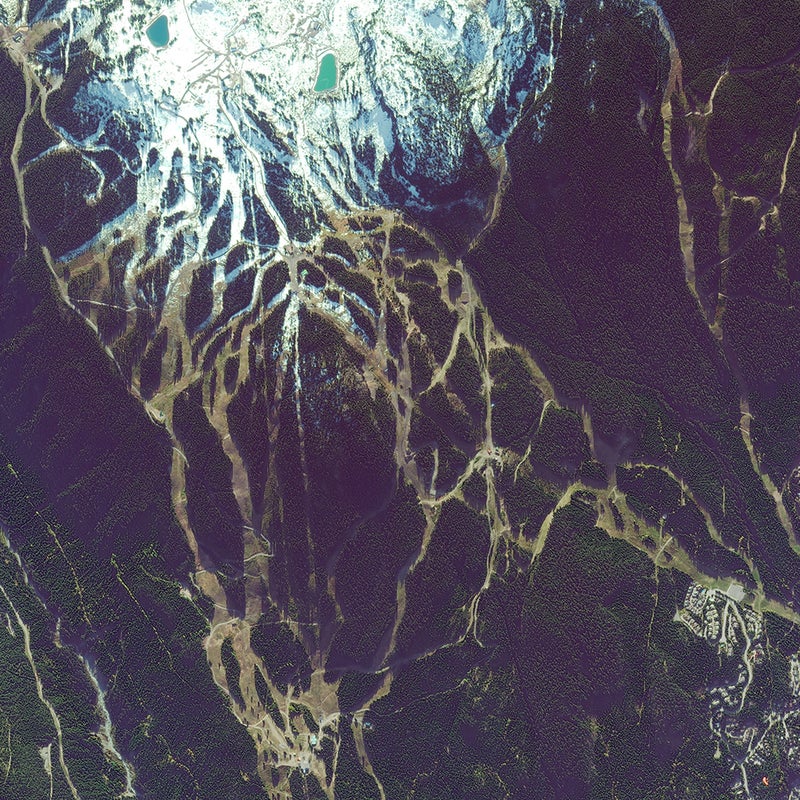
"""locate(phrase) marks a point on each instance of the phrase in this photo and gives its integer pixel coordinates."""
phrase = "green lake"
(326, 76)
(158, 31)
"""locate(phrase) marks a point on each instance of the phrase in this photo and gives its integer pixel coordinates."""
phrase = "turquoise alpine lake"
(158, 31)
(326, 75)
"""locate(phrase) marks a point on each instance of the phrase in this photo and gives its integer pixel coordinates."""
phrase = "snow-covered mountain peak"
(421, 88)
(214, 138)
